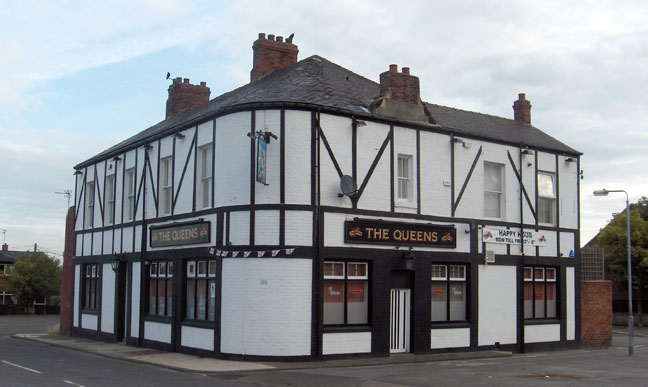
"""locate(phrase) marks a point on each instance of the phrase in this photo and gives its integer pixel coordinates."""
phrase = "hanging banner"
(513, 237)
(182, 234)
(408, 234)
(262, 147)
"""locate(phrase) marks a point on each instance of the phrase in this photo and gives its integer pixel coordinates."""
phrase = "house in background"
(7, 259)
(314, 213)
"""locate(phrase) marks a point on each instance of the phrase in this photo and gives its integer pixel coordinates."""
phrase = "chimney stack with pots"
(522, 109)
(184, 96)
(403, 86)
(5, 247)
(272, 54)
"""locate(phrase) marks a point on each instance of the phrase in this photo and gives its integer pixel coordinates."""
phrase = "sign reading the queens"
(183, 234)
(410, 234)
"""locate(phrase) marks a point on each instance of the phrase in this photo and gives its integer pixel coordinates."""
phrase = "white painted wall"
(266, 306)
(497, 305)
(348, 342)
(299, 228)
(232, 162)
(450, 338)
(297, 150)
(376, 195)
(541, 333)
(184, 201)
(107, 299)
(97, 242)
(571, 303)
(435, 169)
(567, 244)
(339, 136)
(78, 248)
(87, 243)
(135, 299)
(77, 290)
(266, 227)
(198, 338)
(89, 321)
(568, 185)
(239, 227)
(156, 331)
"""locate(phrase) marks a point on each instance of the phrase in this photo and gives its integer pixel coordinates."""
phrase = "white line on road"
(25, 368)
(72, 383)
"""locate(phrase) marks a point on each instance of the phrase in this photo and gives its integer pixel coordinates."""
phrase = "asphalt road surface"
(27, 363)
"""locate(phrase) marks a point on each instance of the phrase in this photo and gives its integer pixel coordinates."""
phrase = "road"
(27, 363)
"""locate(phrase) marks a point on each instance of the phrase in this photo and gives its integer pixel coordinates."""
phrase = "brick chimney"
(272, 54)
(522, 109)
(400, 96)
(183, 96)
(5, 247)
(403, 86)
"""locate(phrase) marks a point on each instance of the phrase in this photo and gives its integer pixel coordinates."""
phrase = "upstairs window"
(6, 269)
(448, 293)
(89, 202)
(540, 288)
(165, 186)
(493, 190)
(205, 184)
(130, 194)
(346, 293)
(404, 177)
(109, 210)
(546, 198)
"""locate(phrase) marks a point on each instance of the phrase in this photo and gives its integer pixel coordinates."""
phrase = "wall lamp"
(116, 260)
(464, 143)
(116, 158)
(148, 147)
(527, 152)
(570, 159)
(78, 172)
(361, 123)
(408, 258)
(179, 136)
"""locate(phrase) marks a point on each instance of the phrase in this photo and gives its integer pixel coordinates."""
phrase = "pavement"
(204, 365)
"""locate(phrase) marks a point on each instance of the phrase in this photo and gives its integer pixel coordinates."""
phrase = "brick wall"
(183, 96)
(68, 275)
(403, 86)
(272, 54)
(596, 313)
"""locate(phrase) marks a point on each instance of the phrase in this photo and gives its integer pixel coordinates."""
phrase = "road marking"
(72, 383)
(25, 368)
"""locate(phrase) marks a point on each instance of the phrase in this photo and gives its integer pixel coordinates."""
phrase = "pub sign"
(180, 234)
(407, 234)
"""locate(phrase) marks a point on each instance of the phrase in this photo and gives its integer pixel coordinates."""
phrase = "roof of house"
(11, 256)
(317, 82)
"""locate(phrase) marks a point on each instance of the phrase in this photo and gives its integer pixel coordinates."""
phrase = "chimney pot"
(5, 247)
(203, 84)
(261, 35)
(186, 80)
(393, 68)
(271, 37)
(403, 86)
(184, 96)
(280, 39)
(406, 70)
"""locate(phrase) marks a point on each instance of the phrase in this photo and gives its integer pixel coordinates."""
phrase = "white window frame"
(165, 186)
(336, 276)
(551, 200)
(445, 270)
(359, 277)
(453, 278)
(89, 202)
(130, 194)
(499, 193)
(448, 279)
(109, 194)
(205, 175)
(404, 179)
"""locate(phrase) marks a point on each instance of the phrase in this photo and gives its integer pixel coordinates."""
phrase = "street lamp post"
(605, 192)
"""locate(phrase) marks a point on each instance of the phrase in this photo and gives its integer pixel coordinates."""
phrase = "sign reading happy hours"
(512, 237)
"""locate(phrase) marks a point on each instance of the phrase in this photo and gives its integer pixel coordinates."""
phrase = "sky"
(78, 77)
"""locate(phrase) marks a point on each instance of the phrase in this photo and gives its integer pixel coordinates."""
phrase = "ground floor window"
(448, 293)
(540, 289)
(346, 293)
(6, 298)
(201, 290)
(91, 287)
(160, 288)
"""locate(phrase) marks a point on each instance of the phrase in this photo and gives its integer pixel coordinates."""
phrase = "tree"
(35, 275)
(613, 238)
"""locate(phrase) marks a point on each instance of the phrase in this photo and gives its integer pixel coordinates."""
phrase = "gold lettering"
(369, 231)
(419, 236)
(398, 235)
(385, 234)
(427, 237)
(435, 238)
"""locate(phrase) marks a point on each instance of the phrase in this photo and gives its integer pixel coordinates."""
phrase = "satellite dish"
(348, 186)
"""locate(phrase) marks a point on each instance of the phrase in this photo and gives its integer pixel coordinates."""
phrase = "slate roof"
(11, 256)
(318, 83)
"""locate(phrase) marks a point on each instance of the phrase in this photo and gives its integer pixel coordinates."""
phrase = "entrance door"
(120, 296)
(399, 326)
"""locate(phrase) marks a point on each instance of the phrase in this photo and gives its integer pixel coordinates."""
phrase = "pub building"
(314, 213)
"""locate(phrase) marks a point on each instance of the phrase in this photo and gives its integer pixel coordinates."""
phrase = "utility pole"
(35, 246)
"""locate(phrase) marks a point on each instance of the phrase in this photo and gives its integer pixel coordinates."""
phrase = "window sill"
(450, 324)
(346, 328)
(542, 321)
(207, 324)
(158, 319)
(405, 204)
(90, 311)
